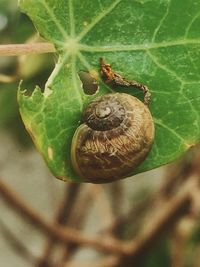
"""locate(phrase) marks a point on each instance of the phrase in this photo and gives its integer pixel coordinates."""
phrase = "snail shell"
(115, 136)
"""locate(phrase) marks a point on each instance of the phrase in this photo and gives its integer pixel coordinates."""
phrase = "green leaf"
(156, 42)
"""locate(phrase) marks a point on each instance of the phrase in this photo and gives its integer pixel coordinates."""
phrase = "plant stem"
(26, 49)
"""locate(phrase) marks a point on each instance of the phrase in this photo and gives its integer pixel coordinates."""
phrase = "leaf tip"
(21, 91)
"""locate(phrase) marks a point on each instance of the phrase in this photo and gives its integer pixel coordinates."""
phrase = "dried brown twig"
(8, 78)
(175, 209)
(63, 234)
(61, 218)
(78, 221)
(184, 201)
(96, 195)
(26, 49)
(16, 243)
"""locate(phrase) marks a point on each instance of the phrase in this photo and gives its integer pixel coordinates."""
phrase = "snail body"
(115, 136)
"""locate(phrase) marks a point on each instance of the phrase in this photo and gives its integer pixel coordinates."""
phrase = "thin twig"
(17, 244)
(26, 49)
(136, 211)
(107, 262)
(177, 247)
(103, 206)
(117, 197)
(61, 218)
(78, 218)
(8, 78)
(64, 234)
(175, 177)
(173, 210)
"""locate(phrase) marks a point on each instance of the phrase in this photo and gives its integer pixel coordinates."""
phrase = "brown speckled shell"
(102, 156)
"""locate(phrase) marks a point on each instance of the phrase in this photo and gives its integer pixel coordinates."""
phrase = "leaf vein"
(138, 47)
(163, 67)
(54, 18)
(190, 24)
(56, 70)
(89, 68)
(74, 81)
(71, 16)
(100, 4)
(98, 19)
(161, 21)
(196, 114)
(178, 136)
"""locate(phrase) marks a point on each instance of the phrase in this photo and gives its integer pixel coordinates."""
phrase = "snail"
(115, 135)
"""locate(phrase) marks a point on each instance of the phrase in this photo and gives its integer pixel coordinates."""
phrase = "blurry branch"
(25, 49)
(174, 201)
(97, 196)
(177, 247)
(16, 244)
(117, 197)
(78, 217)
(61, 218)
(108, 261)
(186, 201)
(178, 173)
(63, 234)
(126, 219)
(171, 212)
(74, 212)
(8, 79)
(102, 203)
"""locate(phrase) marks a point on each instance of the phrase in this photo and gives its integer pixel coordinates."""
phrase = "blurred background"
(146, 209)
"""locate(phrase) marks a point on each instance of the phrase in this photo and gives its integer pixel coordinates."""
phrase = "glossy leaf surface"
(156, 42)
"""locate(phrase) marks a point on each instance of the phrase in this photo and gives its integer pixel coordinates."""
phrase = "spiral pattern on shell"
(115, 136)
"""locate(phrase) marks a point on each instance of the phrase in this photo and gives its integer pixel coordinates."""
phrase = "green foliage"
(8, 105)
(156, 42)
(195, 236)
(16, 27)
(9, 115)
(159, 256)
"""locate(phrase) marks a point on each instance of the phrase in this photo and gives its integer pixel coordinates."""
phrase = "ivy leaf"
(156, 42)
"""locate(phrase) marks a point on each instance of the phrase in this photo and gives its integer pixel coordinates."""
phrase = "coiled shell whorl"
(115, 136)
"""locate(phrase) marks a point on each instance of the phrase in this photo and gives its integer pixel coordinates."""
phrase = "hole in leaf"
(90, 85)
